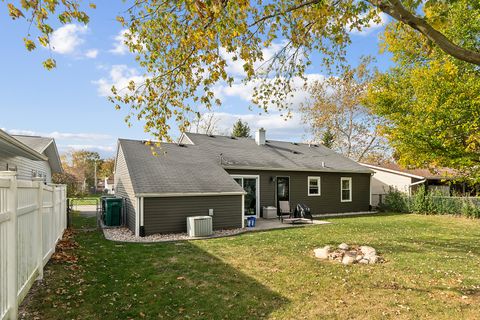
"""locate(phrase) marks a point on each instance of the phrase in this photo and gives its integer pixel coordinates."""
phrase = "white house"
(29, 156)
(392, 176)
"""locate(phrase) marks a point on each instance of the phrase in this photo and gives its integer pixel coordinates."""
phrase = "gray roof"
(38, 144)
(175, 169)
(244, 153)
(45, 146)
(10, 144)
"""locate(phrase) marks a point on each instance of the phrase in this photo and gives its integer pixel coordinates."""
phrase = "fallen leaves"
(64, 251)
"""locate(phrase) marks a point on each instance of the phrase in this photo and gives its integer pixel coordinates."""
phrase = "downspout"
(414, 184)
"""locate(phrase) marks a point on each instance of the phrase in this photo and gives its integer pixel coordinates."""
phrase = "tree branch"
(396, 10)
(298, 6)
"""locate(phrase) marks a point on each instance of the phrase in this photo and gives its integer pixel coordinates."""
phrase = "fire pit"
(349, 254)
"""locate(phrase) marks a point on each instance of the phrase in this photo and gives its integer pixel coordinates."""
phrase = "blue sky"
(69, 102)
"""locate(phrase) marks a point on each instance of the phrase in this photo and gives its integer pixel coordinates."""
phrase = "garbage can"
(113, 211)
(251, 222)
(102, 203)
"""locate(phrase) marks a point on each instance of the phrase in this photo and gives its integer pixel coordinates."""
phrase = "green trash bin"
(113, 211)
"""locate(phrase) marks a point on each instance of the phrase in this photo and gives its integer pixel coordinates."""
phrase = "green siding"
(169, 214)
(327, 202)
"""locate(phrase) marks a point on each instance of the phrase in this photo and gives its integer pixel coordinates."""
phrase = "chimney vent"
(323, 164)
(260, 137)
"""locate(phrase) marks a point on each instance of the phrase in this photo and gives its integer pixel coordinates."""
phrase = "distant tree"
(241, 129)
(81, 164)
(205, 123)
(106, 168)
(69, 180)
(335, 113)
(328, 138)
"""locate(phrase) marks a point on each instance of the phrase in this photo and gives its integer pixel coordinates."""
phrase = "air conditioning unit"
(199, 226)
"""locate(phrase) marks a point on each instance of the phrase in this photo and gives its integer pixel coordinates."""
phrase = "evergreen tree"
(328, 138)
(241, 129)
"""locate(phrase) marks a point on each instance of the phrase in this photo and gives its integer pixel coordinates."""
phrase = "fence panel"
(32, 220)
(4, 219)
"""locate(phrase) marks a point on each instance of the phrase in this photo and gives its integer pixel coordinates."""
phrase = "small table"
(270, 212)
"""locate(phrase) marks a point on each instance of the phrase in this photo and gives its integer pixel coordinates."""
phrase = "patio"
(269, 224)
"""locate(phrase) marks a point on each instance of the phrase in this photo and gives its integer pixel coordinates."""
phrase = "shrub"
(424, 202)
(395, 201)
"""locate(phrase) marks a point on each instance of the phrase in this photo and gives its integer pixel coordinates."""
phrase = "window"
(313, 186)
(346, 189)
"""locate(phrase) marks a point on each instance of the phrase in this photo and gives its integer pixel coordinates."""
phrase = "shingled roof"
(420, 173)
(45, 146)
(37, 143)
(176, 169)
(244, 153)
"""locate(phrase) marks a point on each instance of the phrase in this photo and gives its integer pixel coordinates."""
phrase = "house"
(105, 185)
(232, 178)
(29, 156)
(392, 176)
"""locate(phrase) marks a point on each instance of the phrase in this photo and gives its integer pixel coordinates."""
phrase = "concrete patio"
(269, 224)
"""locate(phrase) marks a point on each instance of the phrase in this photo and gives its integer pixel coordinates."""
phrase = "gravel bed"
(125, 235)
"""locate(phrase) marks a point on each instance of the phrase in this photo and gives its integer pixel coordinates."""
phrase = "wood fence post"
(12, 230)
(39, 185)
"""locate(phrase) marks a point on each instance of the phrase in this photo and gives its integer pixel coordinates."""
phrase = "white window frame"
(250, 176)
(349, 179)
(319, 180)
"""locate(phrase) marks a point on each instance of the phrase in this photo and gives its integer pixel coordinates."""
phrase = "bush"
(395, 201)
(424, 202)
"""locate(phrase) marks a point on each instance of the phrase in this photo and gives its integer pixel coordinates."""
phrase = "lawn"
(432, 270)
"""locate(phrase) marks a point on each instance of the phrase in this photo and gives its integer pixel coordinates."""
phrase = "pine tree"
(328, 138)
(241, 129)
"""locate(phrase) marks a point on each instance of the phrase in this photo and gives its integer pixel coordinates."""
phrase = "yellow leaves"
(43, 40)
(29, 44)
(92, 5)
(14, 12)
(121, 20)
(49, 64)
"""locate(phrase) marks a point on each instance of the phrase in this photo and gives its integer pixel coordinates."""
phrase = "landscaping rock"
(367, 251)
(349, 254)
(373, 259)
(322, 253)
(348, 258)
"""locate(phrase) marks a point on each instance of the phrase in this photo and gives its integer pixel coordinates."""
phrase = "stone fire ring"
(349, 254)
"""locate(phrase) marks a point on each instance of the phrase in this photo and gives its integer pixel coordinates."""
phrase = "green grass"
(432, 271)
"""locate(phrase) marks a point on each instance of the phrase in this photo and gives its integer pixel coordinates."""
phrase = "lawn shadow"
(174, 280)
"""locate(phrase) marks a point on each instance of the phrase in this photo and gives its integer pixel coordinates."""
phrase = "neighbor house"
(391, 176)
(29, 156)
(231, 178)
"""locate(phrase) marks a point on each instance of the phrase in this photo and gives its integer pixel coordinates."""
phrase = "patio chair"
(284, 210)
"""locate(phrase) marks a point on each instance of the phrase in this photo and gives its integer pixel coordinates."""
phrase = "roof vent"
(323, 164)
(211, 135)
(181, 145)
(295, 144)
(295, 152)
(233, 138)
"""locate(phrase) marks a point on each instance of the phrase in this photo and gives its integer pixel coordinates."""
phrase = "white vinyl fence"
(32, 219)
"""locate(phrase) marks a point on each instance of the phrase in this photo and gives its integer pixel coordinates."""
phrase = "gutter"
(331, 170)
(414, 184)
(34, 154)
(193, 194)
